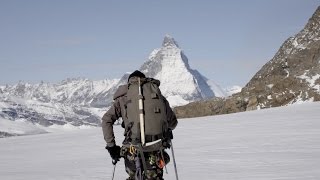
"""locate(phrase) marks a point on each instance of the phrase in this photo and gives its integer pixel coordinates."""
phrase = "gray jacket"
(117, 110)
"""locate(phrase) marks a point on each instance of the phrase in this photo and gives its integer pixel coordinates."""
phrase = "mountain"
(81, 102)
(293, 73)
(292, 76)
(78, 91)
(65, 104)
(180, 84)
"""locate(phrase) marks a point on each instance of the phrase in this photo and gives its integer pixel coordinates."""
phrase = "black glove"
(114, 152)
(166, 143)
(167, 140)
(170, 134)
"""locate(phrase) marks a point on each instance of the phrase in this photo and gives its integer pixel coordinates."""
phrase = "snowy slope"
(272, 144)
(232, 90)
(218, 91)
(15, 128)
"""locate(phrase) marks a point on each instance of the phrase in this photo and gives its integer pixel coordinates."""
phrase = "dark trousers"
(154, 164)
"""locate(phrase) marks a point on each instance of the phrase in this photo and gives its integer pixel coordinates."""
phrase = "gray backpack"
(146, 113)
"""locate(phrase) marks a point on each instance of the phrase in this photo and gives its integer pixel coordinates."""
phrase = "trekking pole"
(114, 162)
(174, 162)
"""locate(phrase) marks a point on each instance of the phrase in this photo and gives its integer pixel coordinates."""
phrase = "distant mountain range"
(82, 102)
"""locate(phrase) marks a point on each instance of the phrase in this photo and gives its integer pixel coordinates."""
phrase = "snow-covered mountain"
(180, 84)
(81, 102)
(78, 91)
(64, 104)
(45, 104)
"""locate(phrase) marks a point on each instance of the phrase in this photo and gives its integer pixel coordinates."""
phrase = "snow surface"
(24, 127)
(271, 144)
(19, 127)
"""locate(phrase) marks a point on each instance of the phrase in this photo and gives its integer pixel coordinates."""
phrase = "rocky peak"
(293, 73)
(314, 22)
(179, 82)
(309, 34)
(169, 41)
(291, 76)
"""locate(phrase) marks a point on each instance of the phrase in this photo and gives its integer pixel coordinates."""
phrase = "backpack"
(146, 105)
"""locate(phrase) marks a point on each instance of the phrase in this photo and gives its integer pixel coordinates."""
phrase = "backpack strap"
(151, 138)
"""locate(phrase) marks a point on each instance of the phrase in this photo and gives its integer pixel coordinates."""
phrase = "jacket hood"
(121, 91)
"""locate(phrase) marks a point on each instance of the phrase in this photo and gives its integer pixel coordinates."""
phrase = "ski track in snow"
(278, 144)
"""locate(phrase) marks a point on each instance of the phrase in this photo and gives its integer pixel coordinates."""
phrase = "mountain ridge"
(292, 76)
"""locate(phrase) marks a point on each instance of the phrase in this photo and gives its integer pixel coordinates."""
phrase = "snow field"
(278, 143)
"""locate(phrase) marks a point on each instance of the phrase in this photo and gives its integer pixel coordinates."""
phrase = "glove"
(114, 152)
(166, 143)
(170, 134)
(167, 140)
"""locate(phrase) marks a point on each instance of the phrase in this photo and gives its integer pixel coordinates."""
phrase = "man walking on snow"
(148, 121)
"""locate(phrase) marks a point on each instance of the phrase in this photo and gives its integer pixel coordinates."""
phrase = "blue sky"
(227, 41)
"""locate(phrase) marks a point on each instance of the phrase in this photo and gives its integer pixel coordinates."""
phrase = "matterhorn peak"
(180, 84)
(169, 41)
